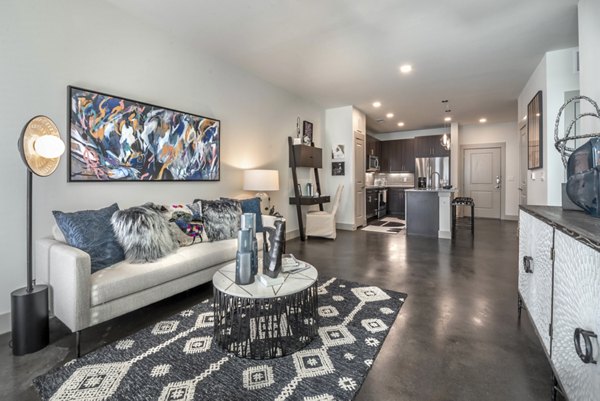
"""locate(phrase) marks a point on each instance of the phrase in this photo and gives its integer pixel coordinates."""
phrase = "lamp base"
(30, 322)
(265, 202)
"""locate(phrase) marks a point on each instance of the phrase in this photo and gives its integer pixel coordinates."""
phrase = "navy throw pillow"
(251, 205)
(91, 231)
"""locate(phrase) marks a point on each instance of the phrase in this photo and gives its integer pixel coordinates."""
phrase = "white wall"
(46, 46)
(561, 77)
(338, 130)
(554, 76)
(589, 58)
(508, 134)
(537, 193)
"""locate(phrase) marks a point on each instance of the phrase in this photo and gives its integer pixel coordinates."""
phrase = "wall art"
(535, 133)
(338, 168)
(307, 132)
(338, 152)
(117, 139)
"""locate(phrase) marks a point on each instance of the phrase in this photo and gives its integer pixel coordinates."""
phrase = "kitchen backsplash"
(391, 178)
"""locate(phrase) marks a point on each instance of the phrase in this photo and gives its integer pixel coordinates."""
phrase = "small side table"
(258, 322)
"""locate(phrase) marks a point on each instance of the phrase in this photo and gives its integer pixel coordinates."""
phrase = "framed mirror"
(535, 132)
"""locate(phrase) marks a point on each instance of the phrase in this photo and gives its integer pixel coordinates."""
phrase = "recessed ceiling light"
(376, 104)
(389, 115)
(537, 114)
(448, 119)
(483, 120)
(400, 124)
(406, 68)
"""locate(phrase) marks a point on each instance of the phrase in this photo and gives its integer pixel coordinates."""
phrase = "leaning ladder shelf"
(305, 156)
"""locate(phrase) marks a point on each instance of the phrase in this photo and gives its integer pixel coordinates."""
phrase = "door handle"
(498, 182)
(528, 264)
(588, 356)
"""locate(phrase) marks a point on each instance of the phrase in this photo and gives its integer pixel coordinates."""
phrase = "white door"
(360, 218)
(483, 180)
(523, 171)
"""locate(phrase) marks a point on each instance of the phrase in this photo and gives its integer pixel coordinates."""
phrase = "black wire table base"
(263, 328)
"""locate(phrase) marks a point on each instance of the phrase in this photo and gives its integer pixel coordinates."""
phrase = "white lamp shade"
(261, 180)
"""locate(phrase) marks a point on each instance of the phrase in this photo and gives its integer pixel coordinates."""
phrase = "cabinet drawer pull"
(528, 264)
(588, 356)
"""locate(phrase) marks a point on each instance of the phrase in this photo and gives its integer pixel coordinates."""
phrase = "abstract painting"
(117, 139)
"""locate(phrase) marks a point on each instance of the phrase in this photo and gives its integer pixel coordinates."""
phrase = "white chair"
(322, 224)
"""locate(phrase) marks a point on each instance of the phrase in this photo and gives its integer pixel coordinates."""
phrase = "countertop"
(389, 186)
(432, 190)
(578, 225)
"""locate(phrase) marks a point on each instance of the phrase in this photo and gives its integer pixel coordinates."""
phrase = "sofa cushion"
(144, 233)
(251, 205)
(221, 218)
(91, 231)
(126, 278)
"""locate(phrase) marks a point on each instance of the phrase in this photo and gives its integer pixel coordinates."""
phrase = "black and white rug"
(387, 225)
(176, 359)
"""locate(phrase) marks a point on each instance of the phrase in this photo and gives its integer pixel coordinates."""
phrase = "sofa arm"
(68, 272)
(268, 220)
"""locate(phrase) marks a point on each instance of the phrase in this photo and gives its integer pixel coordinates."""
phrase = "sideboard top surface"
(578, 225)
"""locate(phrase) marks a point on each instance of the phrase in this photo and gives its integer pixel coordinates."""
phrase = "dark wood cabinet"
(306, 156)
(395, 201)
(371, 202)
(430, 146)
(373, 147)
(398, 156)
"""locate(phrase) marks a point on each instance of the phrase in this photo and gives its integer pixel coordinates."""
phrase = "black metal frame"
(70, 89)
(283, 325)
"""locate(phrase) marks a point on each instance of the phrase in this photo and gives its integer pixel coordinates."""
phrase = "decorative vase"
(243, 259)
(249, 223)
(583, 170)
(273, 249)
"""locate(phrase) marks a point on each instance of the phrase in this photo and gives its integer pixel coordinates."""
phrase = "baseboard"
(511, 217)
(292, 234)
(5, 322)
(344, 226)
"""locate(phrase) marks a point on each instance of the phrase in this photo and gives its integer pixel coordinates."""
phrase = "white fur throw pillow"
(144, 233)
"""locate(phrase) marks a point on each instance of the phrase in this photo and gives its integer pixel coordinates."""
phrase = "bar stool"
(463, 201)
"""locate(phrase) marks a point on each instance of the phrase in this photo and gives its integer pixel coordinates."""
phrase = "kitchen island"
(428, 212)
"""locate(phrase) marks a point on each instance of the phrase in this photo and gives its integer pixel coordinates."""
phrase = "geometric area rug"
(177, 359)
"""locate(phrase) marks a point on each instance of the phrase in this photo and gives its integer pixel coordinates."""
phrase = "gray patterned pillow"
(144, 233)
(90, 231)
(221, 218)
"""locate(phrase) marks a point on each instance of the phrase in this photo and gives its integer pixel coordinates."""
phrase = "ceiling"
(477, 54)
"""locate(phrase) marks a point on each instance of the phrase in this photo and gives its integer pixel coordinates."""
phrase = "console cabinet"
(559, 285)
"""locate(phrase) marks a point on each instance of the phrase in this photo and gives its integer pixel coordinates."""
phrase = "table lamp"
(40, 147)
(262, 181)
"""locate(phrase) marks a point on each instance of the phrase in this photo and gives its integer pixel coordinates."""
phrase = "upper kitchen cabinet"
(398, 156)
(373, 147)
(430, 146)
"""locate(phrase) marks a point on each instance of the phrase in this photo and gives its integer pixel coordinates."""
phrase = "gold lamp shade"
(40, 127)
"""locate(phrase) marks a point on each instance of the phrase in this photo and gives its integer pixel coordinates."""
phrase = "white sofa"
(81, 299)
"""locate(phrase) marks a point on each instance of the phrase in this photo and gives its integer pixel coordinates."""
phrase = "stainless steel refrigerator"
(428, 166)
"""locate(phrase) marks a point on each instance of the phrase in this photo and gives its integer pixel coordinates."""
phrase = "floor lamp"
(40, 147)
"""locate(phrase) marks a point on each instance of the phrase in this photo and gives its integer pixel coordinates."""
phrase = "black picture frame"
(338, 168)
(163, 144)
(535, 132)
(307, 132)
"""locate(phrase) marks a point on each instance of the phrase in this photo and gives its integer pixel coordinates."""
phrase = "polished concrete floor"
(456, 338)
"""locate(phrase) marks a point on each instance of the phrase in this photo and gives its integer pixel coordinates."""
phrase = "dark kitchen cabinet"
(398, 156)
(430, 146)
(371, 202)
(373, 147)
(395, 201)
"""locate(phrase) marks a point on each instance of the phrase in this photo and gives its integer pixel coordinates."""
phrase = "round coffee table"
(258, 322)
